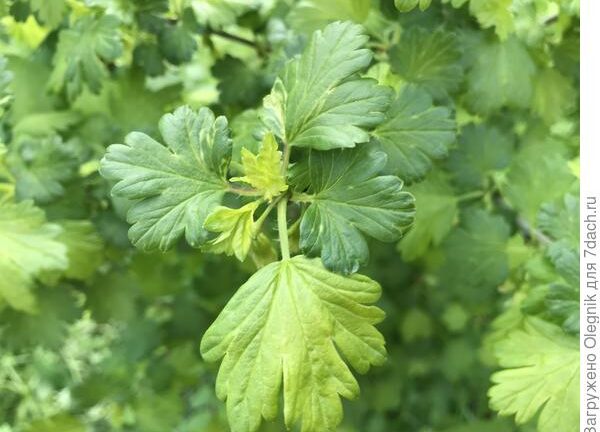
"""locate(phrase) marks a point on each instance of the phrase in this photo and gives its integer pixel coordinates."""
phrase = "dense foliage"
(343, 215)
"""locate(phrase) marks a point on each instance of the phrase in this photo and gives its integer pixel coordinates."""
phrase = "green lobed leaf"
(29, 246)
(318, 102)
(174, 187)
(41, 166)
(50, 12)
(431, 59)
(527, 186)
(414, 133)
(286, 329)
(476, 251)
(501, 76)
(481, 150)
(541, 376)
(348, 200)
(81, 52)
(436, 212)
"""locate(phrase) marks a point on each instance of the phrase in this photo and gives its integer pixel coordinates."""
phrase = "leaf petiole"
(283, 230)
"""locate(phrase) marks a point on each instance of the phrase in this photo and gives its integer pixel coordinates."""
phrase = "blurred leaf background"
(97, 336)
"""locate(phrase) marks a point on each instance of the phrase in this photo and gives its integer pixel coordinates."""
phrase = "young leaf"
(348, 200)
(542, 375)
(174, 188)
(429, 59)
(80, 53)
(236, 228)
(413, 133)
(288, 327)
(29, 246)
(263, 171)
(318, 102)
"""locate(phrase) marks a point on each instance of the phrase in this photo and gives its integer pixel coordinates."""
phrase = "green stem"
(282, 227)
(244, 192)
(261, 220)
(470, 195)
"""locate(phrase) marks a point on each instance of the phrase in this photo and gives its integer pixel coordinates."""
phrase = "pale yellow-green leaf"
(289, 328)
(541, 376)
(494, 13)
(235, 228)
(28, 246)
(263, 171)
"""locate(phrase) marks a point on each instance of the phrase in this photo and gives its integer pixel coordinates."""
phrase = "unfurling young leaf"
(286, 329)
(263, 171)
(349, 199)
(318, 102)
(174, 187)
(236, 228)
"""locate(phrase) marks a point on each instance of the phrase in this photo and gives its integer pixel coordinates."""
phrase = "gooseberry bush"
(345, 215)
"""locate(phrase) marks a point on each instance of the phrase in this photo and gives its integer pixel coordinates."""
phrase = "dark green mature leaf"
(318, 102)
(288, 327)
(429, 59)
(413, 133)
(476, 251)
(481, 150)
(238, 82)
(80, 53)
(148, 56)
(176, 44)
(348, 200)
(174, 188)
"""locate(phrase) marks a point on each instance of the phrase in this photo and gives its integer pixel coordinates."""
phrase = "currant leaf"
(318, 102)
(286, 329)
(174, 187)
(348, 200)
(414, 133)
